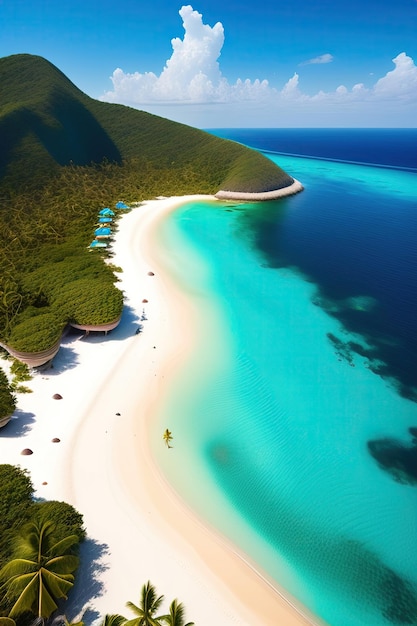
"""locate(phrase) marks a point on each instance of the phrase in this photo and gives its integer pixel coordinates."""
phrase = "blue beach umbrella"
(104, 231)
(98, 244)
(121, 205)
(106, 211)
(105, 220)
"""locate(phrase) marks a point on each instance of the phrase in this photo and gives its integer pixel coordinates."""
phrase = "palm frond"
(150, 601)
(63, 564)
(17, 584)
(26, 600)
(114, 619)
(61, 547)
(176, 615)
(136, 609)
(47, 598)
(58, 586)
(17, 567)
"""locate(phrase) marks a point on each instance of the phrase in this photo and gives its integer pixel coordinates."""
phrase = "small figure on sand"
(167, 437)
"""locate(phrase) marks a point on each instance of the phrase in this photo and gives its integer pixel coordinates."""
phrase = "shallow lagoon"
(273, 414)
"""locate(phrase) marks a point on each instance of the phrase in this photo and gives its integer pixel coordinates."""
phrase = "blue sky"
(213, 63)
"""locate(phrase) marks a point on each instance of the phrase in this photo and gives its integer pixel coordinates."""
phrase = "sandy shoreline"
(138, 529)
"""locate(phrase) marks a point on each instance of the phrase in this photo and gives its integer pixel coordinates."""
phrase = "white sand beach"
(138, 529)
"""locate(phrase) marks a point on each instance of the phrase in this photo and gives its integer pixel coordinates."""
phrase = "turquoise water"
(271, 419)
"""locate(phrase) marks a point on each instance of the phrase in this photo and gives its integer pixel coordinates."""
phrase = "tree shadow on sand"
(66, 357)
(20, 424)
(87, 582)
(129, 323)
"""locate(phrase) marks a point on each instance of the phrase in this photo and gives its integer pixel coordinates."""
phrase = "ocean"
(295, 420)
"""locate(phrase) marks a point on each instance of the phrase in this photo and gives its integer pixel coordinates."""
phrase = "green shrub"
(7, 398)
(66, 519)
(20, 371)
(36, 333)
(87, 301)
(16, 493)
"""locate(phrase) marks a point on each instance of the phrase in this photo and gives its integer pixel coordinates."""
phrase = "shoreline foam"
(138, 529)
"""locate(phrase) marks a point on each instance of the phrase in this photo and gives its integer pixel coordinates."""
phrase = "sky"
(224, 63)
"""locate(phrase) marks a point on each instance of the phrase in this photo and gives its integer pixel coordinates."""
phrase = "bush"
(7, 399)
(90, 302)
(37, 333)
(20, 371)
(66, 519)
(16, 493)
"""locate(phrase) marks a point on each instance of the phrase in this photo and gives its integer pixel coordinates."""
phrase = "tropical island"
(64, 157)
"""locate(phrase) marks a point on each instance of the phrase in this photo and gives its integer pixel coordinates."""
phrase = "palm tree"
(167, 437)
(149, 605)
(113, 619)
(42, 572)
(176, 615)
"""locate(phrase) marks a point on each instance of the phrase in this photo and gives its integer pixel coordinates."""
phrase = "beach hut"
(121, 205)
(103, 233)
(106, 212)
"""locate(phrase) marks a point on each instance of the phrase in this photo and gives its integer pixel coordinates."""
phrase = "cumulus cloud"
(401, 81)
(291, 90)
(192, 75)
(400, 84)
(324, 58)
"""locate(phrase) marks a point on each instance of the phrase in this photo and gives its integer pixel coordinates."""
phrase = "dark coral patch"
(396, 457)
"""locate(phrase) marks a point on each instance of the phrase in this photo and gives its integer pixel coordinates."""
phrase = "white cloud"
(323, 58)
(400, 84)
(192, 75)
(401, 81)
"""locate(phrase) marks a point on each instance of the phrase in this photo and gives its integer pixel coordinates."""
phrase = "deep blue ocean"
(393, 147)
(297, 430)
(345, 243)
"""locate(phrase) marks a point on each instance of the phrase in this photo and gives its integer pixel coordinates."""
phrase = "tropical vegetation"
(39, 556)
(16, 498)
(146, 613)
(63, 157)
(41, 572)
(39, 544)
(7, 397)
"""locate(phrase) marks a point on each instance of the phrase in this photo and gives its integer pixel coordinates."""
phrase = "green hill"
(63, 157)
(46, 122)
